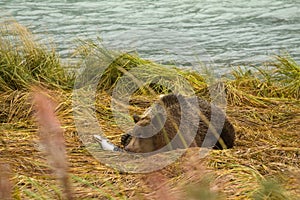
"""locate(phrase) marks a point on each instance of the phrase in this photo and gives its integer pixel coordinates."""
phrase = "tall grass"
(109, 68)
(275, 80)
(24, 62)
(51, 137)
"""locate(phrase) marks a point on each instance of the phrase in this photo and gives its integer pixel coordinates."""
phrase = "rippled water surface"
(186, 31)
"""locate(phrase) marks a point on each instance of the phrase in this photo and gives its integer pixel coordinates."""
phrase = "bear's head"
(144, 134)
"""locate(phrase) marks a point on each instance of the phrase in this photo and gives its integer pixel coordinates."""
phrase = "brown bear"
(175, 122)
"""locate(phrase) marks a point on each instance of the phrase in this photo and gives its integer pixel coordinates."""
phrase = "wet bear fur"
(160, 124)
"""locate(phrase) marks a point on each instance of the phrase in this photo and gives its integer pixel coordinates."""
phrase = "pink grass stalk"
(51, 137)
(193, 180)
(5, 184)
(193, 166)
(160, 186)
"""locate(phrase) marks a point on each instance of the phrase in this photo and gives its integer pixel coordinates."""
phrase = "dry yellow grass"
(265, 163)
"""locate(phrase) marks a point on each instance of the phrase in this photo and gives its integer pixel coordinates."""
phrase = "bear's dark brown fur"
(180, 122)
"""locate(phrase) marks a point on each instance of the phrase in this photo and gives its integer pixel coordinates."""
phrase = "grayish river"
(186, 31)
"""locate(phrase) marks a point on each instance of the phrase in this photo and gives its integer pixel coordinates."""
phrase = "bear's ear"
(136, 118)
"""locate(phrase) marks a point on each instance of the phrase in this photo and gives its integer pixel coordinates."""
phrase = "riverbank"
(262, 103)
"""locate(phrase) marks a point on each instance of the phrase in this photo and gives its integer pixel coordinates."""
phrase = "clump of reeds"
(110, 68)
(24, 62)
(286, 73)
(277, 79)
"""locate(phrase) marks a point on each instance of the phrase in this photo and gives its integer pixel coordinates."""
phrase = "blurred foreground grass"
(262, 103)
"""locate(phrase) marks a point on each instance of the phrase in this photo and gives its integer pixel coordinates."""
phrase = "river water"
(185, 32)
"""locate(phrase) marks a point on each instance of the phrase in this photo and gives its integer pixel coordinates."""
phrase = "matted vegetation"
(262, 103)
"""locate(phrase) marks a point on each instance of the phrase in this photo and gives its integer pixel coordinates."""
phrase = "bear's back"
(192, 117)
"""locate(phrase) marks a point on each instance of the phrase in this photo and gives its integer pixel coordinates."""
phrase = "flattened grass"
(262, 103)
